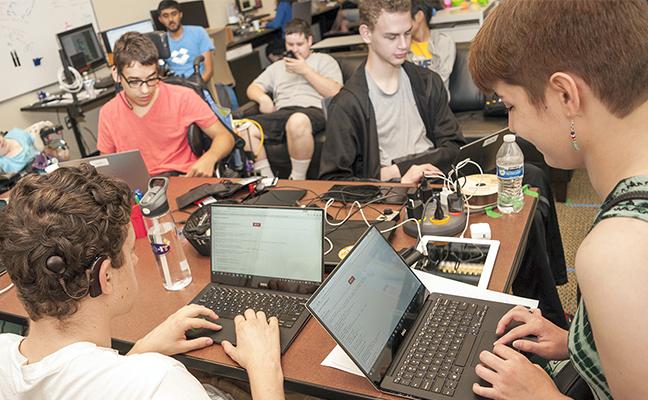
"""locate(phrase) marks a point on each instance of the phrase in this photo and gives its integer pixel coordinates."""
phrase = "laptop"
(483, 151)
(267, 258)
(345, 236)
(404, 339)
(128, 166)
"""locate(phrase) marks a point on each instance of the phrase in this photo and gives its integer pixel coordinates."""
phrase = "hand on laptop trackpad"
(226, 333)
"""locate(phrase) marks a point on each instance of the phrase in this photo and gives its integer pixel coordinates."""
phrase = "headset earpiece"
(56, 265)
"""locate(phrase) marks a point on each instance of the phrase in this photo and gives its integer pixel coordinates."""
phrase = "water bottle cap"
(509, 138)
(155, 203)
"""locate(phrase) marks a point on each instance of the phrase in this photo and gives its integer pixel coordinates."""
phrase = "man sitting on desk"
(153, 117)
(297, 84)
(391, 120)
(186, 42)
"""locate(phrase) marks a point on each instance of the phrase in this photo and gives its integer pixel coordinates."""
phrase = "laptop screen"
(483, 151)
(255, 246)
(368, 303)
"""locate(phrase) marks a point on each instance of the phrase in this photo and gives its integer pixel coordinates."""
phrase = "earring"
(572, 133)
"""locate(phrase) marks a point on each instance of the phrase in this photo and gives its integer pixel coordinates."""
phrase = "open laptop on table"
(483, 151)
(345, 236)
(266, 258)
(405, 340)
(128, 166)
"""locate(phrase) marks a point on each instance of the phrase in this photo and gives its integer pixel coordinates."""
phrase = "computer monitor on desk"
(111, 36)
(81, 48)
(246, 6)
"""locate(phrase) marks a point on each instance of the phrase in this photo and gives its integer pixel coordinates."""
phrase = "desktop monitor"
(193, 13)
(112, 35)
(248, 5)
(81, 48)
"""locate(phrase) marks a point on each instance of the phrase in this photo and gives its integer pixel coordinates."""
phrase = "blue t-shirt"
(282, 16)
(194, 42)
(18, 162)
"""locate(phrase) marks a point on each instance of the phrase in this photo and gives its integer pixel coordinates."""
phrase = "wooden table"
(301, 363)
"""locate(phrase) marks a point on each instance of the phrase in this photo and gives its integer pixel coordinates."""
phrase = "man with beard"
(186, 42)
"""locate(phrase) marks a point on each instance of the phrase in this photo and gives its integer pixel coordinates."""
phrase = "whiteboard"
(28, 31)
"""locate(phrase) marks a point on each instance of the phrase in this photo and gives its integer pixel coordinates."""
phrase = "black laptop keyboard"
(229, 302)
(440, 350)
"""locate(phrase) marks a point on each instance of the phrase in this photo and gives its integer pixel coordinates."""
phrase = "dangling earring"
(572, 133)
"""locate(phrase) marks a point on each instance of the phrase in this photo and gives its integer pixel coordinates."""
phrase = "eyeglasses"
(138, 83)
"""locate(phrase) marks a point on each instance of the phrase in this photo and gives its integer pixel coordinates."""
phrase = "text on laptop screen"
(364, 301)
(281, 243)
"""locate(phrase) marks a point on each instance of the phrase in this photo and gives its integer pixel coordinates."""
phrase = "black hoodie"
(351, 147)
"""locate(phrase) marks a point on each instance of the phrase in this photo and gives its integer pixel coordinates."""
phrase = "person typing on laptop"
(68, 246)
(391, 121)
(153, 117)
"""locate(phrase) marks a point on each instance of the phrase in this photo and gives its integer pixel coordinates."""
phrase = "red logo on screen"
(351, 280)
(256, 224)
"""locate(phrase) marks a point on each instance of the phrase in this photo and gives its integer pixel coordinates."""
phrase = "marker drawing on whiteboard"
(17, 59)
(13, 58)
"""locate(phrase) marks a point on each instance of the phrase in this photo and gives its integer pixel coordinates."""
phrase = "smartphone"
(289, 54)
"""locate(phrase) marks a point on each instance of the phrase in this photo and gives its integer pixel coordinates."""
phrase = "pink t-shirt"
(161, 134)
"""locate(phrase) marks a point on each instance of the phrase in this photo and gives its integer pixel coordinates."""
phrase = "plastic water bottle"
(162, 234)
(510, 171)
(88, 84)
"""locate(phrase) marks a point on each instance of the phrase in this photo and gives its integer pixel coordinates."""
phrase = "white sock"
(263, 167)
(299, 169)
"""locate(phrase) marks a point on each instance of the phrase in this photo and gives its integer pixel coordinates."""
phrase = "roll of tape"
(481, 189)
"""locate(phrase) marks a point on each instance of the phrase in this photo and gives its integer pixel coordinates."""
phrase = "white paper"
(436, 284)
(338, 359)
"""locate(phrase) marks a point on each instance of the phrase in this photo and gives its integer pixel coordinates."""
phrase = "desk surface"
(83, 103)
(301, 363)
(338, 41)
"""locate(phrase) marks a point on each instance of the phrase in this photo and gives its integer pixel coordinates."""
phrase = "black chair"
(277, 151)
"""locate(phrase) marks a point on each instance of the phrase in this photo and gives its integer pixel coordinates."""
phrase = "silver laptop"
(128, 166)
(483, 151)
(268, 258)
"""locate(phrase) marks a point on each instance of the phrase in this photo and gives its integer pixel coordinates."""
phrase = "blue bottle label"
(161, 248)
(510, 173)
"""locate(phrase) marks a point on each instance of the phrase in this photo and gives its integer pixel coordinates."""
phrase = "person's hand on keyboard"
(169, 337)
(550, 341)
(257, 350)
(513, 376)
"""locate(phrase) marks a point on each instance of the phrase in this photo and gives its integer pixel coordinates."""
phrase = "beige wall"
(109, 13)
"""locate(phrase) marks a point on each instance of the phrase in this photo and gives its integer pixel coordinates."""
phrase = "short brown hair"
(370, 10)
(74, 213)
(298, 26)
(134, 46)
(524, 42)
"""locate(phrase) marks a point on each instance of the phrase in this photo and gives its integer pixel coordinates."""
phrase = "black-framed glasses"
(138, 83)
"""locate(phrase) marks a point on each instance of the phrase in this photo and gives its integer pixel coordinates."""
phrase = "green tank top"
(629, 199)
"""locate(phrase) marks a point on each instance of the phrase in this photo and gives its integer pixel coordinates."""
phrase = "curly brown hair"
(370, 10)
(75, 213)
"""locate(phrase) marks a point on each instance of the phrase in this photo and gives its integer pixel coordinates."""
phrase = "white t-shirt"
(84, 371)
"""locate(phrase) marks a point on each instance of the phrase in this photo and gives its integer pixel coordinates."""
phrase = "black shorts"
(274, 124)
